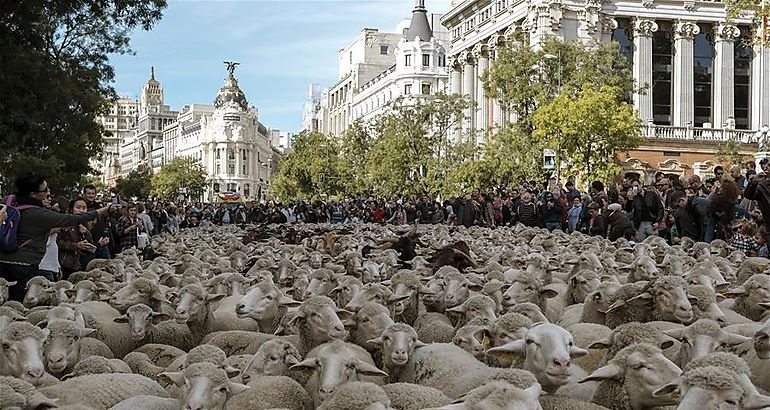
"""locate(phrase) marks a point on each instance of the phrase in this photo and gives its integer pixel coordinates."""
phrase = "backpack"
(9, 229)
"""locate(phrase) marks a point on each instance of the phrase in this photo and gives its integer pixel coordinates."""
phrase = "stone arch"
(641, 169)
(672, 166)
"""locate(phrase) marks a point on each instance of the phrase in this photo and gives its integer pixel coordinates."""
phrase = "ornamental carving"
(466, 57)
(685, 30)
(590, 15)
(726, 32)
(644, 27)
(647, 3)
(556, 14)
(478, 51)
(609, 24)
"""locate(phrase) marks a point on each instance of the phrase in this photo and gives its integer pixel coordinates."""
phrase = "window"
(408, 60)
(219, 154)
(702, 61)
(425, 89)
(743, 55)
(231, 169)
(425, 60)
(232, 154)
(408, 89)
(384, 50)
(219, 169)
(661, 77)
(244, 169)
(216, 188)
(350, 57)
(231, 187)
(245, 154)
(442, 60)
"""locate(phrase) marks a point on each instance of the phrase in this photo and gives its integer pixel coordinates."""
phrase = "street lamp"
(557, 57)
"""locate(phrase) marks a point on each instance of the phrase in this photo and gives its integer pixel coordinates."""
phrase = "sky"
(283, 46)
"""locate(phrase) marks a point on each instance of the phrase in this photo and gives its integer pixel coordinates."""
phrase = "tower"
(152, 94)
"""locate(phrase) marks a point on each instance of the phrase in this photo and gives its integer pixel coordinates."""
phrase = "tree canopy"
(179, 173)
(135, 184)
(55, 79)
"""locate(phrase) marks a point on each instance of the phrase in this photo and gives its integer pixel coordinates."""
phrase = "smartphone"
(115, 200)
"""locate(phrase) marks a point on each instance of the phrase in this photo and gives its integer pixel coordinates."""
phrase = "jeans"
(645, 230)
(552, 226)
(19, 274)
(48, 274)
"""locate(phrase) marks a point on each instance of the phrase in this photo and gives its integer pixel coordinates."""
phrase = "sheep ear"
(238, 388)
(721, 286)
(176, 378)
(214, 298)
(602, 343)
(86, 332)
(42, 324)
(764, 305)
(666, 344)
(576, 351)
(475, 287)
(376, 342)
(231, 371)
(515, 347)
(669, 389)
(720, 298)
(398, 298)
(739, 291)
(533, 391)
(121, 319)
(291, 359)
(756, 402)
(677, 334)
(157, 296)
(368, 369)
(345, 314)
(641, 299)
(457, 309)
(160, 317)
(308, 364)
(618, 304)
(734, 339)
(549, 291)
(288, 302)
(70, 292)
(609, 371)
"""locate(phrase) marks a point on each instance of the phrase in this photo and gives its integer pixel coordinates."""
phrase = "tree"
(759, 10)
(729, 152)
(311, 170)
(135, 184)
(589, 130)
(524, 79)
(55, 80)
(356, 144)
(179, 173)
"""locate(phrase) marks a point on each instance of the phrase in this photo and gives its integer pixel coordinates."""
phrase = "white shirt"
(50, 261)
(146, 221)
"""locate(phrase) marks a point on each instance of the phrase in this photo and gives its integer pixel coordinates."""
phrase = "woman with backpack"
(20, 254)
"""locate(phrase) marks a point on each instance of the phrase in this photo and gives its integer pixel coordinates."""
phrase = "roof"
(419, 26)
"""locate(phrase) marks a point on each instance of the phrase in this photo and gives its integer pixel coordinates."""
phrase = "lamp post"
(557, 57)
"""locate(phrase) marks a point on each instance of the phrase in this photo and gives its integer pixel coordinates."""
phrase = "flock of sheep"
(364, 317)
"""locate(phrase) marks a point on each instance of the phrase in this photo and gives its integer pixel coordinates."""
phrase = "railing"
(668, 132)
(377, 79)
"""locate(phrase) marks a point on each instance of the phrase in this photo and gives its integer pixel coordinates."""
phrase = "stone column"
(468, 87)
(683, 105)
(760, 84)
(456, 80)
(482, 109)
(722, 89)
(497, 112)
(642, 67)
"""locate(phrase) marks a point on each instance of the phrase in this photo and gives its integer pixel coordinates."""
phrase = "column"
(482, 109)
(760, 84)
(497, 112)
(723, 91)
(456, 80)
(683, 105)
(642, 67)
(468, 87)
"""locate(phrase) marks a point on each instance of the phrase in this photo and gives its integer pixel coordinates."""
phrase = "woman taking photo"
(75, 241)
(128, 228)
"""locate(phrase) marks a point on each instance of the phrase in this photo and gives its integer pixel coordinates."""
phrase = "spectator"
(129, 225)
(574, 214)
(75, 242)
(34, 226)
(551, 211)
(145, 218)
(685, 216)
(743, 237)
(596, 223)
(527, 212)
(49, 266)
(617, 222)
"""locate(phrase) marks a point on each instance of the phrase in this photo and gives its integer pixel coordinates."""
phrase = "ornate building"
(706, 83)
(379, 67)
(118, 123)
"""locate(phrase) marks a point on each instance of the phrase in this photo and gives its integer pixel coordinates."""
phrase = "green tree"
(55, 80)
(524, 79)
(311, 170)
(589, 130)
(353, 158)
(179, 173)
(729, 152)
(135, 184)
(759, 10)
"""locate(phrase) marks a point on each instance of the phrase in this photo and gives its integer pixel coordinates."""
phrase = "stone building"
(118, 123)
(706, 82)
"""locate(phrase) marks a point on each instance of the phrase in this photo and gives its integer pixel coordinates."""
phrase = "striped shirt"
(528, 214)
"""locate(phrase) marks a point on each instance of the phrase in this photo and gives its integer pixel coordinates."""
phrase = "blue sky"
(282, 45)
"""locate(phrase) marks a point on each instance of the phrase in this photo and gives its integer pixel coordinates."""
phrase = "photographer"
(758, 190)
(128, 227)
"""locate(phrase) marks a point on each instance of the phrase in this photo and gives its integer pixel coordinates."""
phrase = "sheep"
(347, 287)
(492, 288)
(370, 292)
(474, 339)
(632, 376)
(499, 396)
(63, 312)
(755, 290)
(705, 304)
(664, 298)
(63, 346)
(334, 363)
(22, 352)
(204, 385)
(702, 338)
(141, 290)
(408, 396)
(457, 288)
(271, 392)
(8, 316)
(60, 292)
(21, 393)
(317, 322)
(194, 308)
(102, 391)
(97, 365)
(273, 358)
(434, 327)
(547, 350)
(357, 396)
(36, 292)
(5, 285)
(101, 316)
(642, 268)
(530, 287)
(405, 300)
(140, 363)
(162, 355)
(322, 281)
(528, 309)
(710, 387)
(507, 328)
(750, 267)
(265, 304)
(368, 323)
(580, 284)
(475, 306)
(148, 326)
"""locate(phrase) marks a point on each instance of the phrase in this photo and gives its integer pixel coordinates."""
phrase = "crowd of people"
(60, 237)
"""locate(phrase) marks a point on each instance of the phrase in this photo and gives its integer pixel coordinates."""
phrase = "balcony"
(667, 132)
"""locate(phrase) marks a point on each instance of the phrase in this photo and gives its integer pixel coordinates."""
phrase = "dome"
(230, 92)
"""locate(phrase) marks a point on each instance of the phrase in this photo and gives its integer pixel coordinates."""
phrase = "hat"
(614, 207)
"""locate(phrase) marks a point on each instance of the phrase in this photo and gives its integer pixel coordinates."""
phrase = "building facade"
(118, 123)
(311, 110)
(378, 68)
(706, 83)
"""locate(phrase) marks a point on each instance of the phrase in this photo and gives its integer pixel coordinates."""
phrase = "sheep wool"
(102, 391)
(356, 396)
(712, 378)
(407, 396)
(269, 392)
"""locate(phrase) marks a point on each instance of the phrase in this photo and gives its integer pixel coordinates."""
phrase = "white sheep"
(22, 352)
(271, 392)
(358, 396)
(102, 391)
(265, 304)
(148, 326)
(318, 322)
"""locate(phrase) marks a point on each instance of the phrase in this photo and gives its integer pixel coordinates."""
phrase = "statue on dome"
(231, 66)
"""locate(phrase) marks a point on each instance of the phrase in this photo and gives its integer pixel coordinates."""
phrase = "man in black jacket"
(22, 265)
